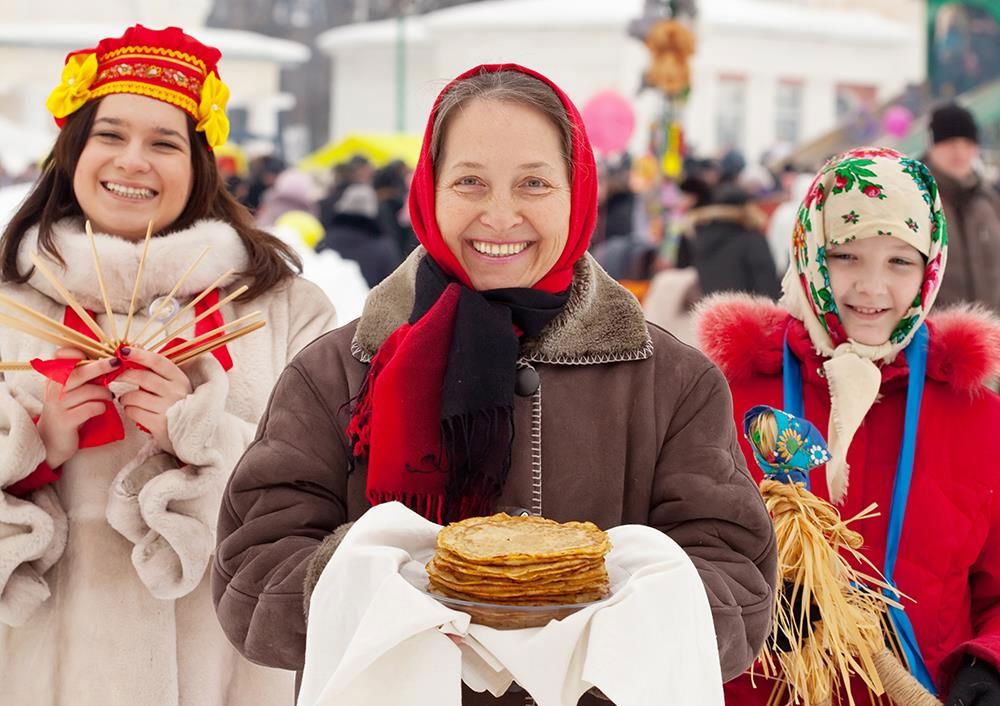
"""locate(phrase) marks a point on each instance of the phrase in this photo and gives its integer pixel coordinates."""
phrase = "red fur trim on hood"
(965, 346)
(743, 335)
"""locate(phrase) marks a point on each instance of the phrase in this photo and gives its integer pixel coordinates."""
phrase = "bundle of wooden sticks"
(47, 329)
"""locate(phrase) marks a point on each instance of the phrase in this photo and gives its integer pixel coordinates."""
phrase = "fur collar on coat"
(601, 323)
(167, 259)
(744, 336)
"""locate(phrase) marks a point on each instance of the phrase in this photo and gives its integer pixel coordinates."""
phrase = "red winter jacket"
(949, 554)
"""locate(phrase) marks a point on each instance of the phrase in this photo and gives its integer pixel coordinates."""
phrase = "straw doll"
(855, 348)
(830, 618)
(129, 255)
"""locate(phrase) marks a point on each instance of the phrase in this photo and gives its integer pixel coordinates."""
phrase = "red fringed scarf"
(433, 419)
(409, 466)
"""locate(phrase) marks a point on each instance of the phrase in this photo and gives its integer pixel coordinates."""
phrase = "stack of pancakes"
(520, 561)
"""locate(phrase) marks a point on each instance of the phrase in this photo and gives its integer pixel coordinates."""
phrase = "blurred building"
(305, 126)
(961, 52)
(34, 41)
(766, 72)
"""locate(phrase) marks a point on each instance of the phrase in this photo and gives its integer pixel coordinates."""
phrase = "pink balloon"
(610, 121)
(896, 121)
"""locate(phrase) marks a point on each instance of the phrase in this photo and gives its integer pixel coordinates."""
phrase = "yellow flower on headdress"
(212, 111)
(74, 89)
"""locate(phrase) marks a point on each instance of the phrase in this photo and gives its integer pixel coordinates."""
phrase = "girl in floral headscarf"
(911, 425)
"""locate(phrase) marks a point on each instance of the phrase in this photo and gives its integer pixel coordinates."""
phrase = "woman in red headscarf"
(434, 397)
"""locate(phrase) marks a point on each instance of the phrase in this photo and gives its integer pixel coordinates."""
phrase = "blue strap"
(791, 373)
(916, 358)
(792, 379)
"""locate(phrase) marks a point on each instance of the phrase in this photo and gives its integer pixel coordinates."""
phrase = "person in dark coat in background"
(354, 234)
(971, 206)
(727, 246)
(696, 193)
(264, 172)
(392, 184)
(357, 170)
(616, 215)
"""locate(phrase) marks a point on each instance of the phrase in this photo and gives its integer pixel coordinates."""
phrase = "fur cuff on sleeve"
(202, 431)
(21, 448)
(123, 512)
(319, 560)
(192, 421)
(168, 505)
(32, 538)
(169, 514)
(24, 591)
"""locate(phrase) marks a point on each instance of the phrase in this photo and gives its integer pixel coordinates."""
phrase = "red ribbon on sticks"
(107, 427)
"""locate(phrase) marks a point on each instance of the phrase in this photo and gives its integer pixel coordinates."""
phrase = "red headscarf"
(583, 193)
(435, 416)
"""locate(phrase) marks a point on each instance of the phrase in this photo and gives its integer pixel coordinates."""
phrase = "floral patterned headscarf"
(865, 193)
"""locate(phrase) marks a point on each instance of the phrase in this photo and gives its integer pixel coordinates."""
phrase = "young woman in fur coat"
(111, 492)
(902, 394)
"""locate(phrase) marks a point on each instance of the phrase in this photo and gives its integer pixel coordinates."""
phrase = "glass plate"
(504, 617)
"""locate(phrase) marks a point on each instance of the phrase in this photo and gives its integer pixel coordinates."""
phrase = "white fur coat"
(104, 597)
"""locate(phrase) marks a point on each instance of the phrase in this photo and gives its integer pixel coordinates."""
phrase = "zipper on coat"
(536, 462)
(536, 452)
(536, 443)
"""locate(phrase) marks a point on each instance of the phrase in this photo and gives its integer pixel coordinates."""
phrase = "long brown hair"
(270, 261)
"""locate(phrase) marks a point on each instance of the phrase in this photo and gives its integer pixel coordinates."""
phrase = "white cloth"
(375, 639)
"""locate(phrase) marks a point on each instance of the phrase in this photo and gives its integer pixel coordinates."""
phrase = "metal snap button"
(526, 382)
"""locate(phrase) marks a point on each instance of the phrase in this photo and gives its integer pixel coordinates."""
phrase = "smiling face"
(135, 167)
(874, 281)
(502, 196)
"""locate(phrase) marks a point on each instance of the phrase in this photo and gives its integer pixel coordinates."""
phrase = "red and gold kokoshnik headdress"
(166, 64)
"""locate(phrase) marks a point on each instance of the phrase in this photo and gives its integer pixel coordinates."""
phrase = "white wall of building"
(817, 62)
(583, 46)
(33, 49)
(152, 13)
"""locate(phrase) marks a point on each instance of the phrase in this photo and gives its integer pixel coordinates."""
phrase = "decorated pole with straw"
(830, 617)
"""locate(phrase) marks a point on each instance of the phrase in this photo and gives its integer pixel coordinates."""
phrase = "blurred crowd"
(350, 226)
(722, 224)
(24, 176)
